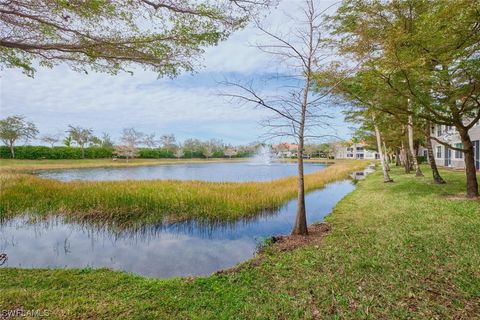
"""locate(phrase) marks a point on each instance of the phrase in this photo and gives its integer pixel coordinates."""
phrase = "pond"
(182, 249)
(214, 171)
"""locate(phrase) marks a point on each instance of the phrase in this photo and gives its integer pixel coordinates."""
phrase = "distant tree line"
(80, 143)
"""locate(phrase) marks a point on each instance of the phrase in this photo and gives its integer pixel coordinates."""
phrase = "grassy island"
(137, 202)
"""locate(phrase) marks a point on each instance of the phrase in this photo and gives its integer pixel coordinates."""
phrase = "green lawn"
(396, 251)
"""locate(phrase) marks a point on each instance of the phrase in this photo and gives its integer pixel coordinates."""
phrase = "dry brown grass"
(126, 202)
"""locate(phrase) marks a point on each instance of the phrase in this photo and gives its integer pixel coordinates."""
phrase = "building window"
(439, 152)
(349, 155)
(360, 156)
(439, 130)
(359, 149)
(458, 154)
(349, 149)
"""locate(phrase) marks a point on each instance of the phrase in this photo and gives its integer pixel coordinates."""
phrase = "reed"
(137, 202)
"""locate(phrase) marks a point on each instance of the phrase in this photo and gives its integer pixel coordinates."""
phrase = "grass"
(396, 251)
(133, 203)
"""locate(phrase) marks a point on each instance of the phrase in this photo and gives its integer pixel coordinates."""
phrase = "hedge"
(147, 153)
(42, 152)
(422, 159)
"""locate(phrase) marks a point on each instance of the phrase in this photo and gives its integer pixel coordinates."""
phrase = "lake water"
(215, 171)
(182, 249)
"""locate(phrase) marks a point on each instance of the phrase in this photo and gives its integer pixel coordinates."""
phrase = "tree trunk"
(406, 160)
(386, 156)
(418, 171)
(12, 150)
(300, 227)
(397, 157)
(386, 176)
(437, 179)
(471, 171)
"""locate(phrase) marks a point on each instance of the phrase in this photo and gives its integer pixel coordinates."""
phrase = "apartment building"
(285, 150)
(349, 150)
(447, 157)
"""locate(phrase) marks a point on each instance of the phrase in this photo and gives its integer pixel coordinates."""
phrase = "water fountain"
(263, 156)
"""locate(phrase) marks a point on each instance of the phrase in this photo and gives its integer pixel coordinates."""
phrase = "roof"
(286, 146)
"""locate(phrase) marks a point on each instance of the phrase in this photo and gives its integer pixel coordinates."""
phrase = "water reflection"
(360, 175)
(179, 249)
(220, 172)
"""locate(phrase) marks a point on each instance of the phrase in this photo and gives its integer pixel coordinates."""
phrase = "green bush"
(42, 152)
(147, 153)
(421, 159)
(218, 154)
(187, 154)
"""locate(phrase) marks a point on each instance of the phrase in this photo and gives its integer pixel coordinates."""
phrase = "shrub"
(157, 153)
(421, 159)
(42, 152)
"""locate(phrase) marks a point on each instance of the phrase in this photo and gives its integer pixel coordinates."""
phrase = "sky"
(188, 106)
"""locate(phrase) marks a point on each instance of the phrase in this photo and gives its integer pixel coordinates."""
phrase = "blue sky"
(188, 106)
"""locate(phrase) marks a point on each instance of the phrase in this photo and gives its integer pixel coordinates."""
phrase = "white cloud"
(58, 97)
(187, 106)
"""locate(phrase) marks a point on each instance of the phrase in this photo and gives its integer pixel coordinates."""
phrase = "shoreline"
(30, 166)
(140, 202)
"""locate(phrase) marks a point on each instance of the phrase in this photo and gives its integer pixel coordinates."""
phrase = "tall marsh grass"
(140, 202)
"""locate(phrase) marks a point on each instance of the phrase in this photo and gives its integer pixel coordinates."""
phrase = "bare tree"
(178, 153)
(51, 138)
(168, 141)
(125, 151)
(207, 151)
(131, 137)
(130, 140)
(150, 141)
(81, 136)
(15, 128)
(192, 146)
(297, 113)
(230, 152)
